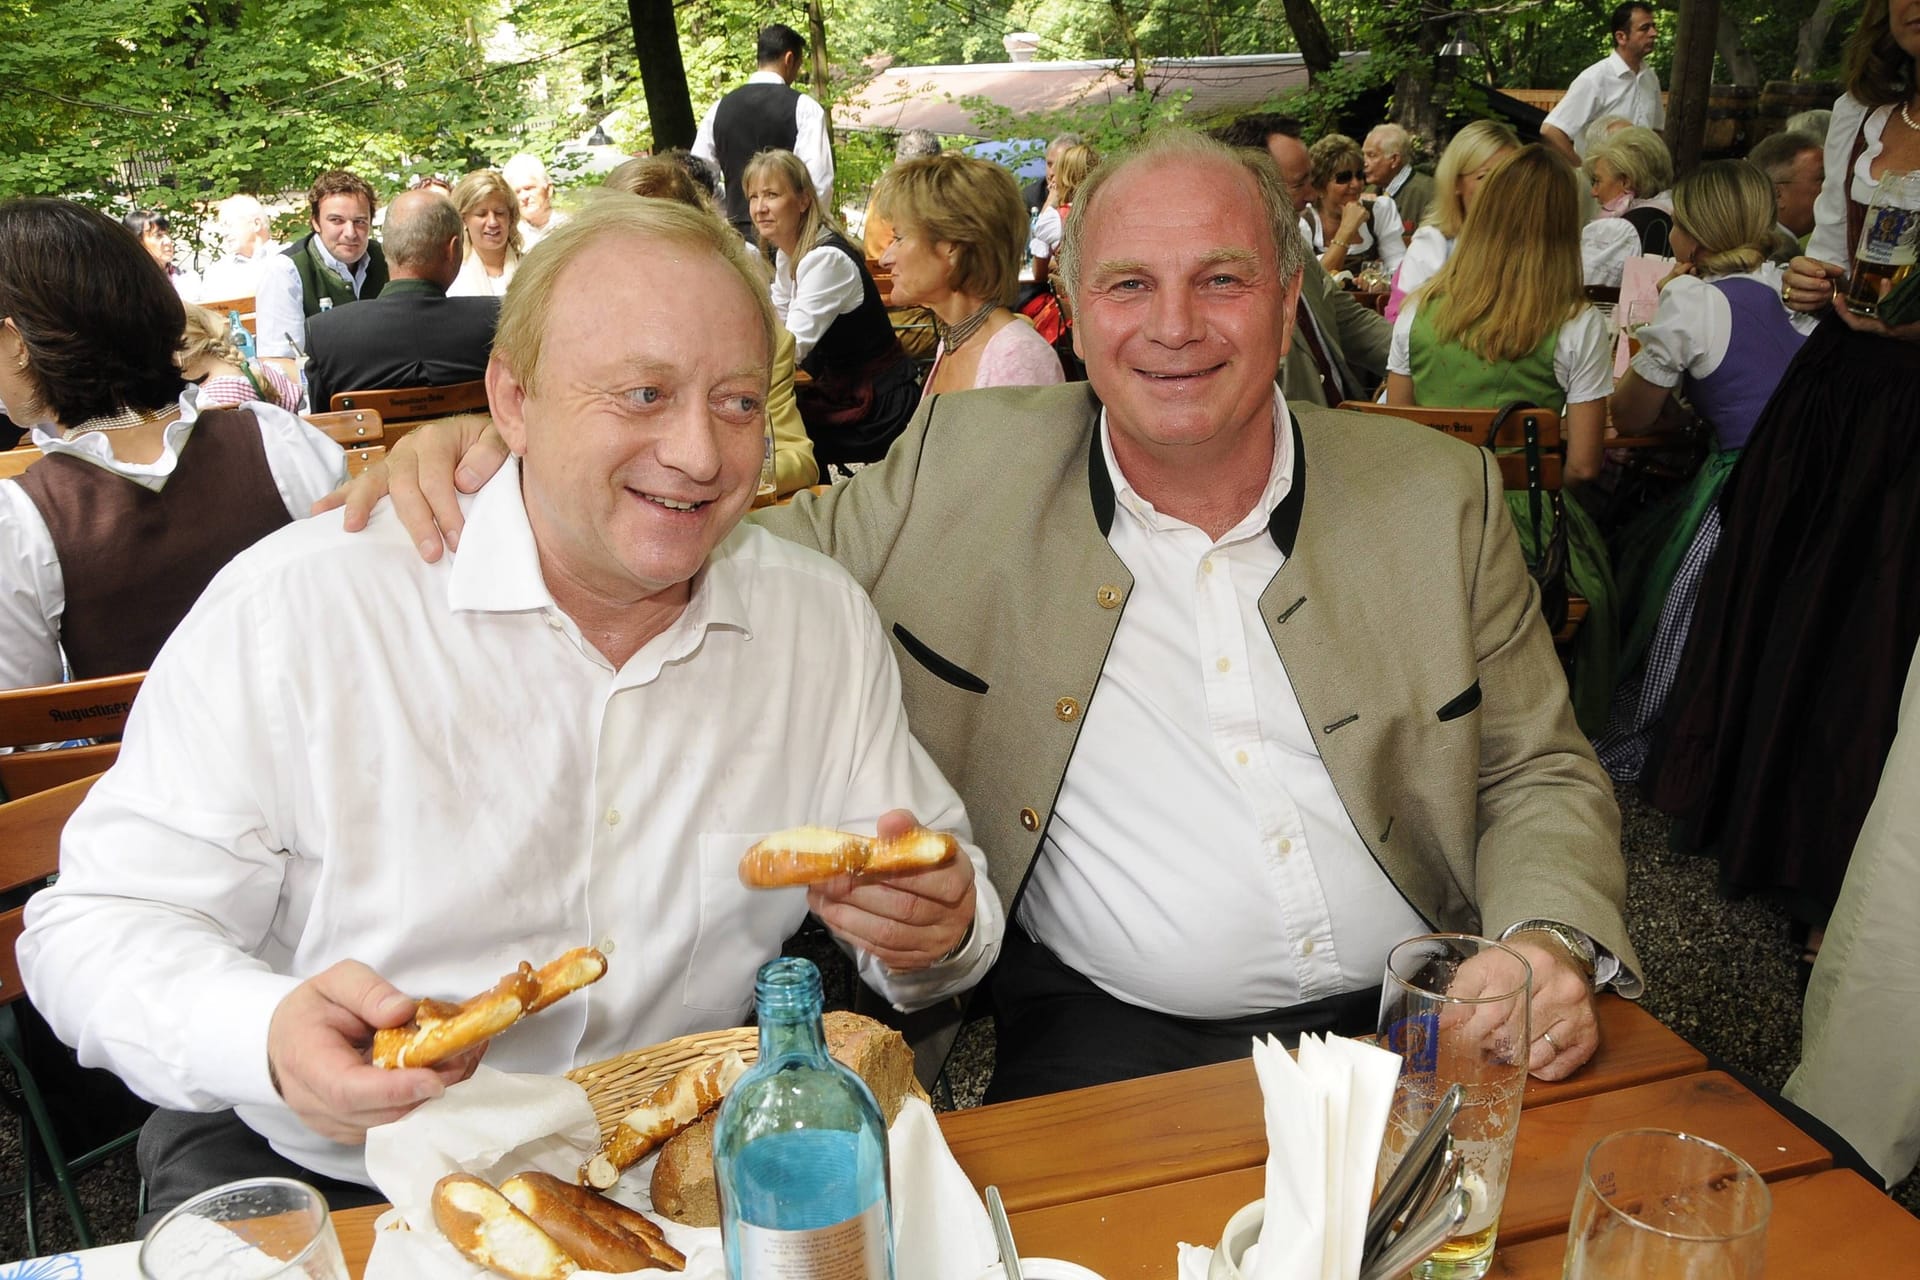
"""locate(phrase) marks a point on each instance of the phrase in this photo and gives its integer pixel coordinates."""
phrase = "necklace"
(1907, 119)
(953, 335)
(125, 420)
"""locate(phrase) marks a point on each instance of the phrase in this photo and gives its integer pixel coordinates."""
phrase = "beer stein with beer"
(1889, 243)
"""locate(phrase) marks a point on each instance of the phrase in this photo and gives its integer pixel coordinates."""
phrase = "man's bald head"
(424, 238)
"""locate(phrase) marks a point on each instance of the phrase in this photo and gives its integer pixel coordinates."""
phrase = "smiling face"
(641, 446)
(777, 209)
(489, 227)
(1344, 185)
(343, 224)
(922, 268)
(1181, 316)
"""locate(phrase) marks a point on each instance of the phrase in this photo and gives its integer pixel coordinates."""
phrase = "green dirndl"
(1596, 644)
(1652, 547)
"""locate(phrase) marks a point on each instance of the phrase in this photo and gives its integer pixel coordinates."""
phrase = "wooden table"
(1113, 1177)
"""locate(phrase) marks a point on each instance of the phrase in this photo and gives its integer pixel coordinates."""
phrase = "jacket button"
(1029, 819)
(1108, 596)
(1066, 709)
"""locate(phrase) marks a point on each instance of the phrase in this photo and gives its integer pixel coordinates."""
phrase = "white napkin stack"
(496, 1125)
(1326, 1113)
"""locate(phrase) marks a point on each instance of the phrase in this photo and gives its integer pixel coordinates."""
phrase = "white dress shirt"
(810, 143)
(306, 465)
(474, 282)
(1048, 230)
(238, 275)
(346, 752)
(531, 235)
(1605, 246)
(280, 315)
(1608, 88)
(1582, 353)
(810, 296)
(1243, 887)
(1381, 227)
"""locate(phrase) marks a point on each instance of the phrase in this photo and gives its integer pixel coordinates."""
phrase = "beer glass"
(256, 1229)
(1655, 1204)
(1889, 242)
(1456, 1010)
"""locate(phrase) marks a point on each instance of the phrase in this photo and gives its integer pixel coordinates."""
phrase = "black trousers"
(183, 1153)
(1056, 1030)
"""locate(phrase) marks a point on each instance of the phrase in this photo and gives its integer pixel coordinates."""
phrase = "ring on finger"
(1551, 1042)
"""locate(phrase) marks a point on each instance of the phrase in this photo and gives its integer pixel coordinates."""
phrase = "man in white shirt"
(248, 236)
(334, 264)
(1225, 741)
(534, 190)
(767, 113)
(1619, 84)
(356, 778)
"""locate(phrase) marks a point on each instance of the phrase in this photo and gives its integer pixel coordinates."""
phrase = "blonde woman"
(1631, 168)
(1506, 320)
(669, 177)
(226, 378)
(957, 225)
(1463, 167)
(1346, 229)
(863, 387)
(1723, 333)
(491, 213)
(1069, 171)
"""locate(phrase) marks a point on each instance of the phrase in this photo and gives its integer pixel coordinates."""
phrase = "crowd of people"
(1348, 714)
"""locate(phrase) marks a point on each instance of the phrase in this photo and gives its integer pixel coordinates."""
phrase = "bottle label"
(852, 1250)
(1888, 239)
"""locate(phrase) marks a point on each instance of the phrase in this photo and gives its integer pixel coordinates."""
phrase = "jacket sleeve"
(1548, 827)
(1365, 335)
(794, 466)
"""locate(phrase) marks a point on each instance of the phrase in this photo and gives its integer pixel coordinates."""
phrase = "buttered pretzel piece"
(808, 855)
(674, 1106)
(440, 1029)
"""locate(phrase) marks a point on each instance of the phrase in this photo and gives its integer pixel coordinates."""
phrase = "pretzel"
(440, 1029)
(486, 1227)
(675, 1105)
(808, 855)
(598, 1233)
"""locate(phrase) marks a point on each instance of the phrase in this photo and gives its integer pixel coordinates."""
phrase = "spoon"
(1003, 1234)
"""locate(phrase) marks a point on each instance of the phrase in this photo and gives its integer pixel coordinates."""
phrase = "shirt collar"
(1277, 509)
(350, 274)
(766, 77)
(497, 568)
(1618, 65)
(1399, 179)
(97, 447)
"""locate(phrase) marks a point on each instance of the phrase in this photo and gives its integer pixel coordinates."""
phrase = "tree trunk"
(1733, 51)
(1423, 90)
(1813, 39)
(817, 40)
(656, 46)
(1133, 44)
(1310, 33)
(1692, 82)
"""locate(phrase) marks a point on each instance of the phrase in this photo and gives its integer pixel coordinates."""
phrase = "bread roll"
(485, 1227)
(595, 1245)
(683, 1186)
(696, 1090)
(808, 855)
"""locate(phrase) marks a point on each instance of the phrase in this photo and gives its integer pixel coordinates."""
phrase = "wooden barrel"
(1780, 100)
(1730, 110)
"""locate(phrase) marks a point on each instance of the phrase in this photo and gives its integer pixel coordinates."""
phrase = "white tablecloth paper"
(496, 1125)
(1325, 1115)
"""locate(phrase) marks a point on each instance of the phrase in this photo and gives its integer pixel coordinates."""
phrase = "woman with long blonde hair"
(491, 213)
(1463, 170)
(1506, 321)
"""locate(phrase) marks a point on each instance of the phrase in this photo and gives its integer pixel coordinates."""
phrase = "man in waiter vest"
(767, 113)
(335, 263)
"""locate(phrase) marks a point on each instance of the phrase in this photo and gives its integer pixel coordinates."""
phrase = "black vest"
(859, 338)
(317, 281)
(751, 119)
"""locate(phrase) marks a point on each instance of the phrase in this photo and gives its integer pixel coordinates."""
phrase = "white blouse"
(1427, 253)
(474, 282)
(1690, 333)
(1829, 242)
(1382, 227)
(810, 296)
(1582, 354)
(1048, 229)
(1605, 246)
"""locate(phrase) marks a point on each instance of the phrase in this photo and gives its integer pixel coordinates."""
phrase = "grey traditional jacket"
(1404, 616)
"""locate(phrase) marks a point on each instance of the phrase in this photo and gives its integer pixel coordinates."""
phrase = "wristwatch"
(1579, 947)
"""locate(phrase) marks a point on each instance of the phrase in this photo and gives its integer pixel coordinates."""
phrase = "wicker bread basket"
(618, 1085)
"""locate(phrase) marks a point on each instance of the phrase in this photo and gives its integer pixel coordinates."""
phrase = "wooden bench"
(358, 431)
(57, 713)
(402, 409)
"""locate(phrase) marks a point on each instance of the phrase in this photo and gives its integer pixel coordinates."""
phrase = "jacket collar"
(1283, 526)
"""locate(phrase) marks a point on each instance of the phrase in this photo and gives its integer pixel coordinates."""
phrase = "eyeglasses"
(1343, 177)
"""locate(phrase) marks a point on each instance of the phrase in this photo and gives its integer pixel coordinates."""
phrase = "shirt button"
(1286, 846)
(553, 620)
(1240, 757)
(1306, 948)
(613, 817)
(1029, 819)
(1066, 708)
(1222, 664)
(1108, 596)
(1206, 566)
(605, 946)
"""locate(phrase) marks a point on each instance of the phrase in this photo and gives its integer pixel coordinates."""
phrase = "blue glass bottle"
(800, 1151)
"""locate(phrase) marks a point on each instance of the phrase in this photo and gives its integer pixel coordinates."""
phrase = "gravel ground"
(1719, 973)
